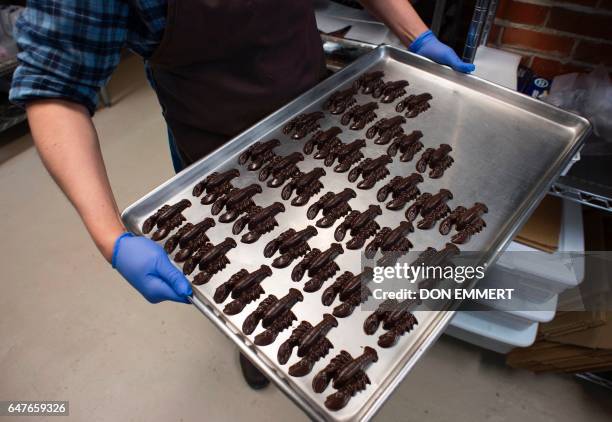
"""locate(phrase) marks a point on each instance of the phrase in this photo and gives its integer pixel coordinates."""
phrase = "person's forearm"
(68, 145)
(399, 16)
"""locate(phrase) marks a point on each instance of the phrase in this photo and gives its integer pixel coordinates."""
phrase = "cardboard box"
(543, 227)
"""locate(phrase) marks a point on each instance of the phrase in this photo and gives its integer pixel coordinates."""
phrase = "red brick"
(589, 24)
(546, 68)
(494, 35)
(549, 68)
(593, 52)
(526, 13)
(532, 40)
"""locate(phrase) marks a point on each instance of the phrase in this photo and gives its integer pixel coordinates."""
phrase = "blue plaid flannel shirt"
(70, 48)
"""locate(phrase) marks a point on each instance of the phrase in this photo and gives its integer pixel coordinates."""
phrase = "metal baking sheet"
(508, 148)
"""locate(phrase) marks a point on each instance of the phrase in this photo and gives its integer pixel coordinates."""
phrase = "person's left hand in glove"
(428, 45)
(403, 20)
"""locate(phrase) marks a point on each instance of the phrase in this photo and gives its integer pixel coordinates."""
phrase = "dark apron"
(225, 64)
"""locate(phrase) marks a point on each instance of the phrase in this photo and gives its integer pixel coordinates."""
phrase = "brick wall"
(555, 37)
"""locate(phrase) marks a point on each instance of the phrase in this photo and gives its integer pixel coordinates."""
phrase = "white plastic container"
(490, 330)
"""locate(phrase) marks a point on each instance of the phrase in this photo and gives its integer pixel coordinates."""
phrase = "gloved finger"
(173, 277)
(461, 66)
(159, 290)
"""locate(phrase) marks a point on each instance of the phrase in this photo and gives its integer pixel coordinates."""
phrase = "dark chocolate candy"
(467, 221)
(215, 185)
(438, 160)
(387, 129)
(401, 189)
(358, 116)
(259, 154)
(371, 170)
(414, 104)
(166, 219)
(347, 375)
(311, 342)
(431, 207)
(258, 221)
(360, 225)
(244, 287)
(321, 266)
(332, 205)
(339, 101)
(303, 124)
(290, 244)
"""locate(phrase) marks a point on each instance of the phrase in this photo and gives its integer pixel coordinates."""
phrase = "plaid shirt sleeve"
(68, 49)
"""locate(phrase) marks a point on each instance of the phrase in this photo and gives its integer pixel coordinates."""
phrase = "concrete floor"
(72, 329)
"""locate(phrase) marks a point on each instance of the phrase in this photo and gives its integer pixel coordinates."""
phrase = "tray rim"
(436, 327)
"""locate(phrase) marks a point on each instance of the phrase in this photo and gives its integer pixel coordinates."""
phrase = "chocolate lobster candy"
(467, 221)
(431, 207)
(351, 289)
(371, 170)
(215, 185)
(258, 154)
(401, 189)
(432, 258)
(210, 259)
(275, 316)
(324, 141)
(166, 219)
(346, 155)
(387, 129)
(303, 124)
(332, 205)
(438, 161)
(190, 237)
(347, 375)
(395, 317)
(359, 115)
(389, 240)
(244, 287)
(390, 91)
(305, 186)
(259, 221)
(311, 342)
(235, 202)
(340, 100)
(281, 169)
(360, 225)
(414, 104)
(369, 82)
(291, 245)
(407, 145)
(321, 266)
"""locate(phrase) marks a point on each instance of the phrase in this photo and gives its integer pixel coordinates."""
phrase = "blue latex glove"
(427, 45)
(148, 269)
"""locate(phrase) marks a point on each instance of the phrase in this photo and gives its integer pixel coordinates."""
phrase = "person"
(217, 67)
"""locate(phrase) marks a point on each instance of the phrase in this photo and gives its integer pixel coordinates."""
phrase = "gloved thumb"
(173, 277)
(461, 66)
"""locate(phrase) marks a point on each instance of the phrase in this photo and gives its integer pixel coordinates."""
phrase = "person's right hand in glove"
(146, 266)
